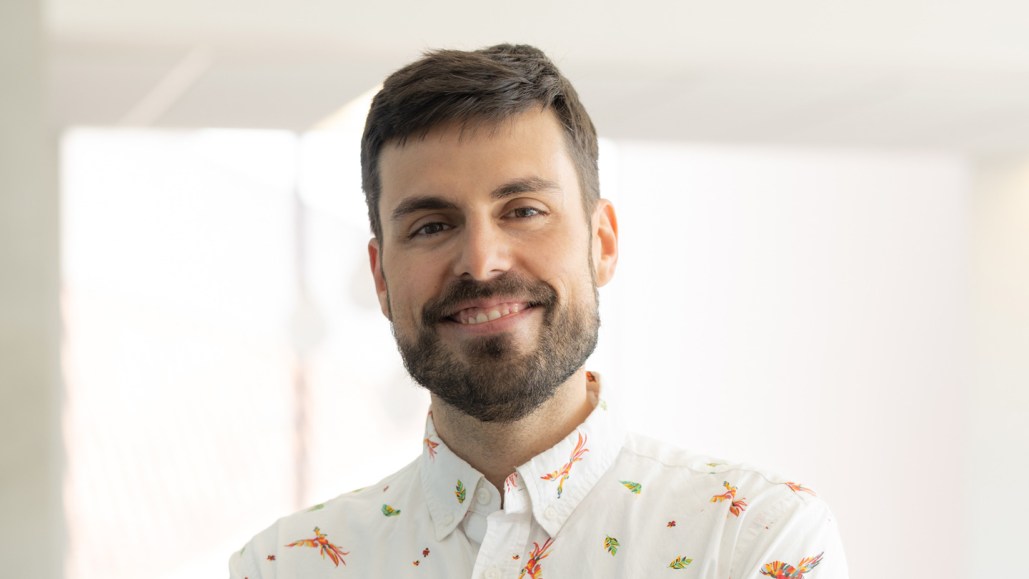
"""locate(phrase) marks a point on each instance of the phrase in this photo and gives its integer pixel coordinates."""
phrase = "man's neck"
(495, 449)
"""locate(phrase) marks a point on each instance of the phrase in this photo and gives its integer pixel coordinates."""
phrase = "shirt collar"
(449, 482)
(556, 480)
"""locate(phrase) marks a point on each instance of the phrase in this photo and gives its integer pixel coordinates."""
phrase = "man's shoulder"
(755, 519)
(673, 465)
(352, 510)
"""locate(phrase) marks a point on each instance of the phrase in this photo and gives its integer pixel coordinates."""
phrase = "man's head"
(482, 87)
(488, 252)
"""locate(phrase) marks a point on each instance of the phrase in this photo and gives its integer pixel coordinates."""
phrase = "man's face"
(488, 266)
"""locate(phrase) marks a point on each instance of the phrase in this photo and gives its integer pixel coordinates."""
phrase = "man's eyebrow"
(432, 203)
(526, 185)
(415, 204)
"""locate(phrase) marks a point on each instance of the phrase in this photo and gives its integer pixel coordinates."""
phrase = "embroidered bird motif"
(735, 506)
(781, 570)
(321, 542)
(562, 474)
(538, 553)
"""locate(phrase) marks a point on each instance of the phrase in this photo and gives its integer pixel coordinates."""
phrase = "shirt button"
(550, 513)
(482, 495)
(492, 573)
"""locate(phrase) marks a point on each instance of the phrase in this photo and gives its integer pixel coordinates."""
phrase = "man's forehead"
(464, 129)
(528, 139)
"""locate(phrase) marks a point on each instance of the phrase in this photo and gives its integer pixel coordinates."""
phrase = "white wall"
(32, 535)
(804, 311)
(996, 464)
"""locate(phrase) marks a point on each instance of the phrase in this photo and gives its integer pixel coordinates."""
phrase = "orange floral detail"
(538, 553)
(799, 488)
(782, 570)
(562, 474)
(511, 482)
(735, 506)
(431, 445)
(321, 542)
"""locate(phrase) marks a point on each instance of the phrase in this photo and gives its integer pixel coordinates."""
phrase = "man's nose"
(485, 252)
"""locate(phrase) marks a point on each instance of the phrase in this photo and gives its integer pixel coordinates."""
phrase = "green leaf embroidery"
(459, 492)
(680, 563)
(611, 544)
(633, 487)
(389, 511)
(317, 507)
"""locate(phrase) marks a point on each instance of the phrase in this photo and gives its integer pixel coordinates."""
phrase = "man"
(480, 173)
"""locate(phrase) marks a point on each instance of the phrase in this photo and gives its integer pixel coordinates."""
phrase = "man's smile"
(487, 313)
(483, 320)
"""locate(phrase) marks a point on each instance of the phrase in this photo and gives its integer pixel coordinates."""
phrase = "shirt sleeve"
(241, 565)
(796, 537)
(256, 559)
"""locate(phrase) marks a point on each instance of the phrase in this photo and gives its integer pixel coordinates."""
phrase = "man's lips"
(481, 314)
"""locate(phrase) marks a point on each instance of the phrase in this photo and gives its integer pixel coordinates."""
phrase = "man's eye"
(524, 212)
(430, 229)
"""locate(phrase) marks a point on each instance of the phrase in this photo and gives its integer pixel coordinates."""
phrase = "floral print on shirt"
(321, 542)
(680, 563)
(611, 528)
(431, 445)
(735, 506)
(781, 570)
(634, 487)
(539, 552)
(562, 474)
(799, 488)
(611, 545)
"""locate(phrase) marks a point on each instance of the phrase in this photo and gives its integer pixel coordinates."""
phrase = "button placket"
(506, 533)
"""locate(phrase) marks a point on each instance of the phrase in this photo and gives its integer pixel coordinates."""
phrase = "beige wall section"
(998, 398)
(32, 535)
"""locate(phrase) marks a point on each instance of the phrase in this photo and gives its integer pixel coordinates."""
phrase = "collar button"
(482, 496)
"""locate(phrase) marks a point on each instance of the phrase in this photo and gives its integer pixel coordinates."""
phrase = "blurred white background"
(824, 213)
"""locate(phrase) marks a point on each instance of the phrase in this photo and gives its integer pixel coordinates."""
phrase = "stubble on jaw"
(491, 381)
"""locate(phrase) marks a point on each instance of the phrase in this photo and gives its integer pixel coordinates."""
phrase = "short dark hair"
(484, 86)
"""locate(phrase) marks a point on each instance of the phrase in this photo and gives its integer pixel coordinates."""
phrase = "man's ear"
(605, 241)
(375, 261)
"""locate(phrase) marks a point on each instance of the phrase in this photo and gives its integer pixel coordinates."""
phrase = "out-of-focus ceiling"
(899, 73)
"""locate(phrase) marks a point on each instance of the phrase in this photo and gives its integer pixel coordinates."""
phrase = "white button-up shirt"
(598, 504)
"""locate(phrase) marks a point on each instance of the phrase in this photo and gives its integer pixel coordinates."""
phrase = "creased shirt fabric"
(601, 503)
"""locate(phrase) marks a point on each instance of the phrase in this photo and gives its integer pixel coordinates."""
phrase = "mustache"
(537, 293)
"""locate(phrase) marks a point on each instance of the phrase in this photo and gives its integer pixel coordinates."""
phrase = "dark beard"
(493, 382)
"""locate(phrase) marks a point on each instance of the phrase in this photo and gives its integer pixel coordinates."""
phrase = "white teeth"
(488, 316)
